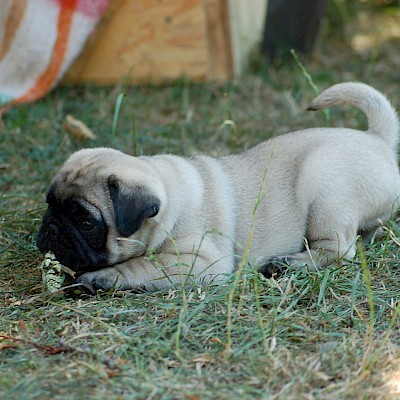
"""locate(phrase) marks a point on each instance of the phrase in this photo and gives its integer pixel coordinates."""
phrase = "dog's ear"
(132, 206)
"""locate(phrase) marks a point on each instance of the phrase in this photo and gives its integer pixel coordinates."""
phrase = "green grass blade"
(117, 111)
(323, 287)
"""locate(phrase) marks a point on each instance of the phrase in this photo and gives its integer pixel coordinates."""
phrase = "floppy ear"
(132, 206)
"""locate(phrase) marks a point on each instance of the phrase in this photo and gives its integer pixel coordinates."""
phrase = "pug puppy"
(299, 199)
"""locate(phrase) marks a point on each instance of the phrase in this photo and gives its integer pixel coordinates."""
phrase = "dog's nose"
(53, 230)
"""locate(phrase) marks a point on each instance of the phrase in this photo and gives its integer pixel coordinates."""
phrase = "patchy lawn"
(333, 334)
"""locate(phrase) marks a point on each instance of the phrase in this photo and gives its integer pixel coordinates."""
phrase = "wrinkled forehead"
(81, 166)
(67, 202)
(79, 177)
(77, 183)
(86, 174)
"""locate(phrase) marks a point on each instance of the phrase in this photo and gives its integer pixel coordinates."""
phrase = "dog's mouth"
(75, 255)
(75, 233)
(69, 259)
(73, 251)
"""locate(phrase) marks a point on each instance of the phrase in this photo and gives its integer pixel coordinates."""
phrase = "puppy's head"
(103, 206)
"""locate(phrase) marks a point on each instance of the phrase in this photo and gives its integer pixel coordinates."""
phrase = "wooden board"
(157, 40)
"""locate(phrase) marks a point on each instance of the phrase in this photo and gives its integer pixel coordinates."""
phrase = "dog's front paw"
(103, 279)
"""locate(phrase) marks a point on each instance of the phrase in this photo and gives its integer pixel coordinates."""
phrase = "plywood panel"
(219, 44)
(146, 41)
(160, 40)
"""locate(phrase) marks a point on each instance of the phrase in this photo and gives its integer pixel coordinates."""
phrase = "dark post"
(292, 24)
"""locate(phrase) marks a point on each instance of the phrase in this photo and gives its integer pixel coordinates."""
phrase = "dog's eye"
(85, 224)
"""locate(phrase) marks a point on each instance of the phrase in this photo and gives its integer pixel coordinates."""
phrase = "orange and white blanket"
(39, 39)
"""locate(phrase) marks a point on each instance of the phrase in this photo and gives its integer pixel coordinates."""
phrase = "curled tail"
(382, 117)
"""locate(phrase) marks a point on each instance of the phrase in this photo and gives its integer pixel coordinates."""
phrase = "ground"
(305, 335)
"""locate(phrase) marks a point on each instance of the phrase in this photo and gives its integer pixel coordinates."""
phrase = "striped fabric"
(39, 39)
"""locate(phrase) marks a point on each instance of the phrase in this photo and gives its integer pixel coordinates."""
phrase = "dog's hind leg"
(317, 255)
(324, 244)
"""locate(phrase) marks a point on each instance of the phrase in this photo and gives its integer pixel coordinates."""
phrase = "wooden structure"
(143, 41)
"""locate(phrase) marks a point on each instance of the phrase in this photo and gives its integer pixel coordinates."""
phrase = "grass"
(307, 335)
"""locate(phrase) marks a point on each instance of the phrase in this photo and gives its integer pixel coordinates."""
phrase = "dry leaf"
(7, 346)
(192, 397)
(14, 302)
(22, 325)
(204, 358)
(78, 128)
